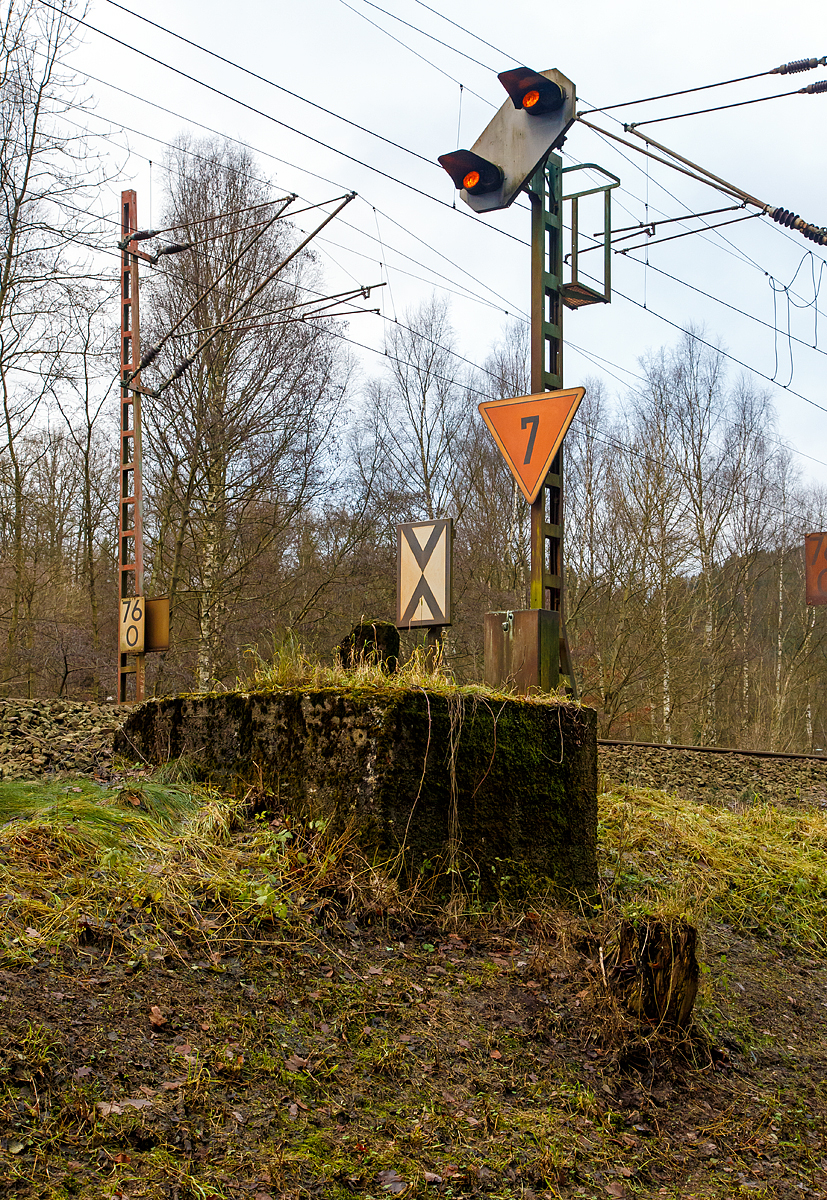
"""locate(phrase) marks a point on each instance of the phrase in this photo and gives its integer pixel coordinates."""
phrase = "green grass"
(762, 870)
(145, 863)
(428, 1082)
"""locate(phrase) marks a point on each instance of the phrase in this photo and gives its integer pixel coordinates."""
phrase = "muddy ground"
(373, 1052)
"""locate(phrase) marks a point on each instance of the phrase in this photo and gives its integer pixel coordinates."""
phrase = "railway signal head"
(473, 174)
(531, 123)
(532, 92)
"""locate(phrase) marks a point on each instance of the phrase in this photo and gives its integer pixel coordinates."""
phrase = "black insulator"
(175, 248)
(149, 356)
(814, 88)
(140, 235)
(784, 217)
(181, 368)
(800, 64)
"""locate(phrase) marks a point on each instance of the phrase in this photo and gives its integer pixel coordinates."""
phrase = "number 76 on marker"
(132, 623)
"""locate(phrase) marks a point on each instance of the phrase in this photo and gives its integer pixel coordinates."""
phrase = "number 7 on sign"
(534, 422)
(545, 416)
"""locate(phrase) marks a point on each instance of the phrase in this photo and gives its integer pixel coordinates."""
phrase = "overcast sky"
(367, 66)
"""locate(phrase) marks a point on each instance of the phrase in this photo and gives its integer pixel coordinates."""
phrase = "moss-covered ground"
(195, 1003)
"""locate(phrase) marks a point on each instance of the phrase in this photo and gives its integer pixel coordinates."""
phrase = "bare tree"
(43, 173)
(235, 448)
(415, 419)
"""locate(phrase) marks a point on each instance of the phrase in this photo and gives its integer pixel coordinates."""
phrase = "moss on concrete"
(497, 788)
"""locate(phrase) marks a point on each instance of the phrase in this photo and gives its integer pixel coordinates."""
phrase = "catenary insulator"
(175, 248)
(182, 367)
(800, 64)
(148, 356)
(814, 88)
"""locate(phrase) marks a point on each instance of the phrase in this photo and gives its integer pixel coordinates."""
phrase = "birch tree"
(235, 447)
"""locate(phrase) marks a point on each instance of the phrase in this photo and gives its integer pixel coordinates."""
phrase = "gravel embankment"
(729, 779)
(43, 737)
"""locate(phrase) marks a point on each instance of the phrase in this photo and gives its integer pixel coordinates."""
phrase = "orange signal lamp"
(472, 172)
(532, 92)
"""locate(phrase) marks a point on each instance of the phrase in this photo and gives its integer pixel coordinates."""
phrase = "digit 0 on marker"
(529, 431)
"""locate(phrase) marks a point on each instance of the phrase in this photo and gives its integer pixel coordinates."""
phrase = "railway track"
(716, 774)
(712, 750)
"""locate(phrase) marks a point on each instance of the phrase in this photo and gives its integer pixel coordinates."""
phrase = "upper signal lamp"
(531, 91)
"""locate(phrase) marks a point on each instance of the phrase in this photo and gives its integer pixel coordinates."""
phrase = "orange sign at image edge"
(815, 567)
(529, 431)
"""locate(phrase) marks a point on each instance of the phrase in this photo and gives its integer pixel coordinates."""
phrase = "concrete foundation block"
(494, 787)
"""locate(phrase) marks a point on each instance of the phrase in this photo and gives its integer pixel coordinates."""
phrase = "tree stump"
(375, 642)
(655, 973)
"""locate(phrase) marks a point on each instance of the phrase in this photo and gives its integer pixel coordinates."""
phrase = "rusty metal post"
(130, 505)
(547, 581)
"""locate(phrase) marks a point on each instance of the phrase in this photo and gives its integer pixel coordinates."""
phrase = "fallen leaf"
(16, 1147)
(122, 1158)
(172, 1084)
(156, 1017)
(432, 1177)
(391, 1182)
(374, 970)
(495, 1054)
(294, 1063)
(115, 1107)
(615, 1189)
(82, 1072)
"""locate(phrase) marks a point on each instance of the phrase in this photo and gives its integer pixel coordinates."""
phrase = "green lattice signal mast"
(515, 153)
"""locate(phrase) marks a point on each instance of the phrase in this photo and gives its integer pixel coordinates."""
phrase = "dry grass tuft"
(290, 667)
(762, 870)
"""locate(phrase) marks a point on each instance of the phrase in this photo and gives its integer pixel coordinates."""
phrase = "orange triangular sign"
(529, 431)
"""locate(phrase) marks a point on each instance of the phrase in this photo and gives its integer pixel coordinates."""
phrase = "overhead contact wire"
(791, 68)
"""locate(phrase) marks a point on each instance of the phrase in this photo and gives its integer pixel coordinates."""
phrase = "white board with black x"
(423, 573)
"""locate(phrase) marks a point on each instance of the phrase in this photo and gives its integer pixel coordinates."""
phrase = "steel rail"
(710, 749)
